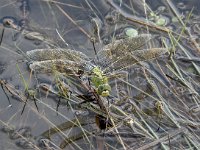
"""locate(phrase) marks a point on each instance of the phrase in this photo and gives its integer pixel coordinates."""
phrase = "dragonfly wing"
(129, 59)
(135, 43)
(119, 63)
(57, 53)
(120, 48)
(53, 66)
(146, 54)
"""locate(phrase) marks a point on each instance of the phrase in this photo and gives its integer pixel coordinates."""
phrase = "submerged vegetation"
(112, 75)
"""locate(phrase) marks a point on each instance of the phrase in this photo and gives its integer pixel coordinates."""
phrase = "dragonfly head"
(104, 90)
(105, 93)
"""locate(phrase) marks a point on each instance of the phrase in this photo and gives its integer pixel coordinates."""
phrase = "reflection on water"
(84, 26)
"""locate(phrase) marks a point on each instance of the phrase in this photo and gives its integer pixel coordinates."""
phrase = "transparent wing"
(53, 66)
(146, 54)
(129, 59)
(58, 53)
(120, 47)
(124, 53)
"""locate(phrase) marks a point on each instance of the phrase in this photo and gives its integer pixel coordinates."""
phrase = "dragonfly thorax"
(100, 81)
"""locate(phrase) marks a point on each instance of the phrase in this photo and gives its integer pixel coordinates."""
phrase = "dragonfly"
(118, 55)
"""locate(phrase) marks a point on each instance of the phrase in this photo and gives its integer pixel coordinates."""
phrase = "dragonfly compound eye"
(104, 90)
(105, 93)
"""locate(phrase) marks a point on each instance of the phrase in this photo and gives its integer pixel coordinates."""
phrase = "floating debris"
(131, 32)
(10, 22)
(34, 36)
(161, 22)
(22, 132)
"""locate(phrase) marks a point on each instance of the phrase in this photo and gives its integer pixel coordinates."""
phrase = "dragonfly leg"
(58, 104)
(34, 99)
(29, 95)
(159, 124)
(24, 105)
(89, 81)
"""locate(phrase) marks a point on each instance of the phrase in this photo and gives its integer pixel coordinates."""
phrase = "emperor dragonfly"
(115, 56)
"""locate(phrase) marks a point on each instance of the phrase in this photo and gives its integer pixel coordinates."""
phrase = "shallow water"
(50, 23)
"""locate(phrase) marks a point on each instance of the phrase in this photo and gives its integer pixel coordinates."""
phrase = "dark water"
(72, 20)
